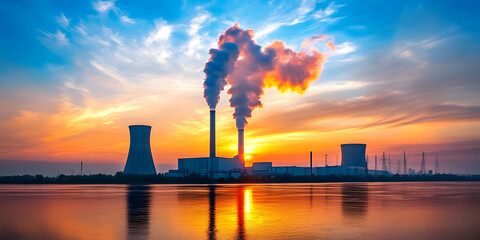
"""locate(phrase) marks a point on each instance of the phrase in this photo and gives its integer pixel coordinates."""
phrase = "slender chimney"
(212, 134)
(240, 144)
(311, 172)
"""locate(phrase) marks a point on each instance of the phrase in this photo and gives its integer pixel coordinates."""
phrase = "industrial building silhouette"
(140, 160)
(212, 166)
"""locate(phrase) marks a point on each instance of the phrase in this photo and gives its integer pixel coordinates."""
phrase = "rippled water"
(260, 211)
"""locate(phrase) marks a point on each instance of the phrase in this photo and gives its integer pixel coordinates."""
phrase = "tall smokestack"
(240, 144)
(212, 134)
(311, 172)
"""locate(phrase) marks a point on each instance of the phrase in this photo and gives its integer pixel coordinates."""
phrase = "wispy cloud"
(110, 72)
(298, 15)
(59, 36)
(199, 21)
(126, 19)
(161, 33)
(389, 109)
(199, 42)
(103, 6)
(303, 13)
(157, 42)
(62, 20)
(90, 113)
(81, 28)
(345, 48)
(325, 13)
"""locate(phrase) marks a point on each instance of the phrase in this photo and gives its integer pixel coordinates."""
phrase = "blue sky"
(71, 71)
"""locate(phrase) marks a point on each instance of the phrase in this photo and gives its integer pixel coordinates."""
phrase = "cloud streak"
(103, 6)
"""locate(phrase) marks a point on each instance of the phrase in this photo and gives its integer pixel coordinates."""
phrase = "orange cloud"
(294, 70)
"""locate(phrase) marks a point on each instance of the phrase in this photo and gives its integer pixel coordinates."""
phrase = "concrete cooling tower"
(353, 155)
(139, 159)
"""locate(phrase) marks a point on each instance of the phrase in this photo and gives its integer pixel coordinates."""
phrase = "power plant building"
(305, 171)
(215, 167)
(353, 163)
(212, 166)
(139, 160)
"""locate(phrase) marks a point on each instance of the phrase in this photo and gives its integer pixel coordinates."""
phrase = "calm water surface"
(260, 211)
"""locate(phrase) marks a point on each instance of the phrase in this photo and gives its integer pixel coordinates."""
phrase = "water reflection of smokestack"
(241, 144)
(311, 196)
(354, 200)
(240, 213)
(138, 211)
(212, 230)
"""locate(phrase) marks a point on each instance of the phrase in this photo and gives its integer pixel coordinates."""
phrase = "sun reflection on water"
(248, 200)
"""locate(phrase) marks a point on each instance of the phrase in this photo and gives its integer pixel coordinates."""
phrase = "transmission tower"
(437, 165)
(366, 164)
(384, 165)
(422, 168)
(404, 163)
(326, 164)
(375, 164)
(389, 163)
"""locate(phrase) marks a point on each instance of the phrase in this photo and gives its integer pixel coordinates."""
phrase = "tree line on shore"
(120, 178)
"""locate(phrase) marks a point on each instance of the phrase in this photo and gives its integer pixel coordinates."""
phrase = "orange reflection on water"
(259, 211)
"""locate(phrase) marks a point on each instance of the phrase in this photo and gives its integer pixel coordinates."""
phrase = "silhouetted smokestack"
(212, 134)
(311, 172)
(240, 144)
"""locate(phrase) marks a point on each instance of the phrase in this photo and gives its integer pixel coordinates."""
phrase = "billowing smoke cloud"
(294, 70)
(247, 78)
(257, 68)
(216, 70)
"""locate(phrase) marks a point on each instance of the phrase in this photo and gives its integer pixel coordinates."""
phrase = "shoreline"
(121, 178)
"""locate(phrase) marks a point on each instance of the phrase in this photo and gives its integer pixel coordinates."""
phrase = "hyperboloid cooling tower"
(139, 159)
(353, 154)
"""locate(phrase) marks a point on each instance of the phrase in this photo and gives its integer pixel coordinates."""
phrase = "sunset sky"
(405, 75)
